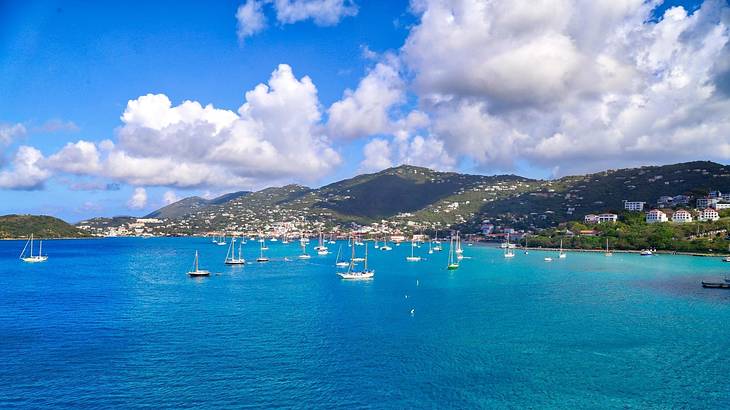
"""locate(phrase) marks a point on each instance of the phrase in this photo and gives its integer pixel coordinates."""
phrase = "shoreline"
(658, 252)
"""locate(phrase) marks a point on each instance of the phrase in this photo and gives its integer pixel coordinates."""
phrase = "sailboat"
(437, 243)
(263, 244)
(31, 258)
(608, 252)
(304, 254)
(321, 248)
(430, 247)
(459, 251)
(197, 272)
(261, 257)
(231, 258)
(357, 275)
(385, 246)
(338, 263)
(453, 264)
(222, 241)
(413, 258)
(508, 252)
(562, 255)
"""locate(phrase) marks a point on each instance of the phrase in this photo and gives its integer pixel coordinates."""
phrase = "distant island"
(22, 226)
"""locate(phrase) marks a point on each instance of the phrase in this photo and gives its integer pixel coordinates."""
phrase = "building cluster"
(707, 208)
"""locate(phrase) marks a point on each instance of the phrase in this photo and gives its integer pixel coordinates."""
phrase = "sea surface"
(117, 323)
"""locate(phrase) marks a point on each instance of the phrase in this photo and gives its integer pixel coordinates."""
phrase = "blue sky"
(68, 70)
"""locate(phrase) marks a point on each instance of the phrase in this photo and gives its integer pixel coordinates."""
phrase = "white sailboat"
(608, 252)
(459, 251)
(261, 257)
(222, 241)
(304, 254)
(413, 258)
(430, 247)
(197, 272)
(508, 252)
(385, 246)
(338, 262)
(352, 274)
(562, 255)
(321, 248)
(231, 258)
(453, 264)
(437, 243)
(33, 258)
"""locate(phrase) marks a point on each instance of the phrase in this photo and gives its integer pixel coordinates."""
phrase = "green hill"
(41, 226)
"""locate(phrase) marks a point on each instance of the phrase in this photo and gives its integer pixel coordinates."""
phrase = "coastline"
(658, 252)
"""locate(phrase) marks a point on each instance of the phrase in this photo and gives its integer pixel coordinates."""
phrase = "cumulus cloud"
(322, 12)
(26, 171)
(8, 132)
(365, 111)
(252, 19)
(570, 83)
(169, 197)
(138, 199)
(276, 135)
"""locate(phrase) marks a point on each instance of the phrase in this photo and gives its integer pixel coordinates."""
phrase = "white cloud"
(169, 197)
(251, 19)
(138, 199)
(275, 136)
(377, 155)
(81, 157)
(365, 111)
(26, 172)
(322, 12)
(569, 83)
(8, 132)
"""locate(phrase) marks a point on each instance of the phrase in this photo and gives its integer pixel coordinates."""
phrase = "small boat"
(716, 285)
(33, 258)
(646, 252)
(453, 264)
(338, 262)
(413, 258)
(274, 240)
(222, 241)
(197, 272)
(261, 257)
(231, 258)
(385, 246)
(437, 243)
(352, 274)
(548, 259)
(508, 250)
(304, 254)
(726, 259)
(321, 249)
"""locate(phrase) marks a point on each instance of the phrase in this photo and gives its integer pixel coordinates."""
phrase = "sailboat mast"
(366, 257)
(196, 261)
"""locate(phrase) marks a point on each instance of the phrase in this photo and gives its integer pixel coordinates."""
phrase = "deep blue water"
(117, 323)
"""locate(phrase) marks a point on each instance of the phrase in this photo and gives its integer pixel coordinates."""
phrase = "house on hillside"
(655, 216)
(708, 214)
(636, 206)
(590, 219)
(707, 202)
(610, 218)
(682, 216)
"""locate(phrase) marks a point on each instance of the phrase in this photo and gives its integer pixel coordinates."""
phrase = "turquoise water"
(117, 323)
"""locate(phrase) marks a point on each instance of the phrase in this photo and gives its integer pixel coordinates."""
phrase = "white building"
(707, 202)
(607, 218)
(682, 216)
(634, 205)
(708, 214)
(722, 205)
(590, 219)
(655, 216)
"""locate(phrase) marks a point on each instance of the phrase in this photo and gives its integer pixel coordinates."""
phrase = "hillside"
(191, 204)
(431, 200)
(41, 226)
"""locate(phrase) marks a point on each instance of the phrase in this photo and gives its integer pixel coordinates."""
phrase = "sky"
(118, 108)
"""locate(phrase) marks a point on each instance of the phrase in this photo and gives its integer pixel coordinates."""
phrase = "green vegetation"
(21, 226)
(631, 232)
